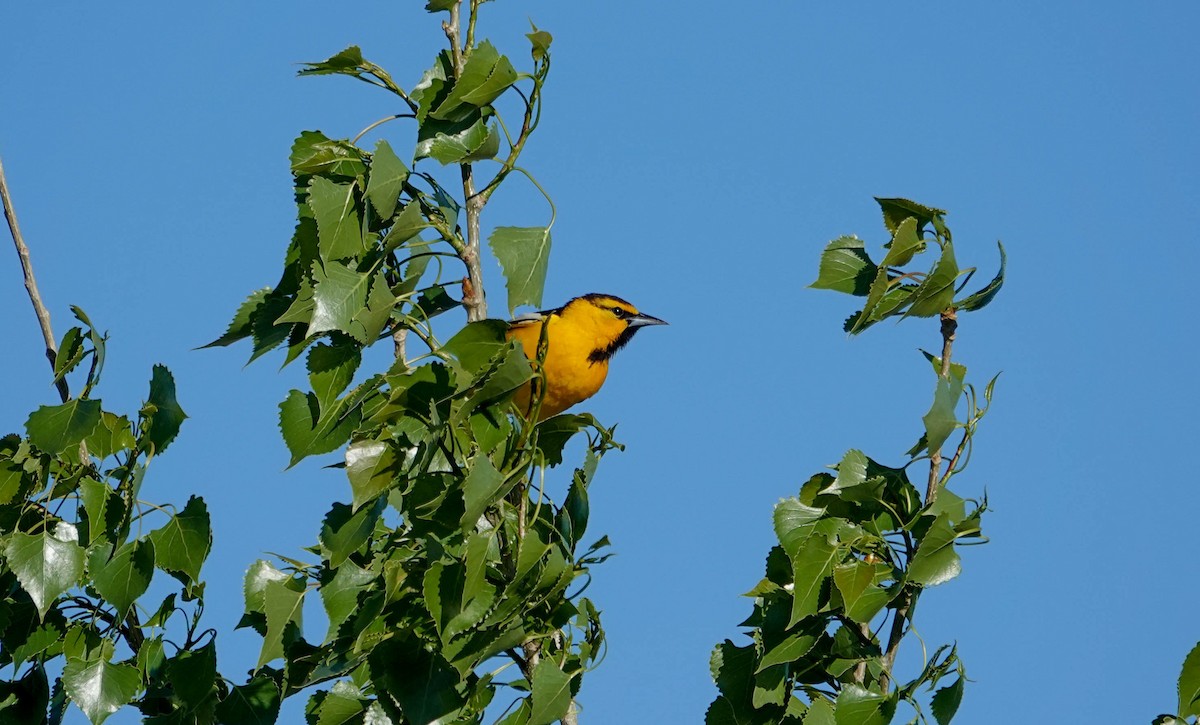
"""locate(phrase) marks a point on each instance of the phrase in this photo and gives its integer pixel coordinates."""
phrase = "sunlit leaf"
(845, 267)
(45, 564)
(182, 544)
(524, 255)
(58, 428)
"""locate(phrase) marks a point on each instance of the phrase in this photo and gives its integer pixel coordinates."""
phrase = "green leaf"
(99, 687)
(46, 565)
(936, 561)
(551, 693)
(820, 712)
(388, 174)
(339, 228)
(283, 604)
(795, 523)
(423, 684)
(240, 328)
(852, 471)
(845, 267)
(858, 583)
(344, 61)
(946, 701)
(858, 706)
(369, 322)
(162, 410)
(895, 211)
(789, 650)
(482, 486)
(905, 243)
(70, 353)
(315, 153)
(371, 468)
(254, 703)
(47, 638)
(936, 291)
(339, 294)
(732, 670)
(344, 531)
(554, 433)
(457, 143)
(524, 256)
(331, 367)
(192, 673)
(476, 344)
(309, 431)
(56, 429)
(980, 299)
(124, 576)
(811, 565)
(182, 544)
(540, 41)
(485, 76)
(258, 576)
(407, 224)
(113, 435)
(340, 594)
(941, 419)
(1189, 684)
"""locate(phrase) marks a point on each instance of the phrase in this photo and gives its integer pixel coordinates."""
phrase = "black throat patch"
(601, 354)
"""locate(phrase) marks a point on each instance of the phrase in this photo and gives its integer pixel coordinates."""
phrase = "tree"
(858, 547)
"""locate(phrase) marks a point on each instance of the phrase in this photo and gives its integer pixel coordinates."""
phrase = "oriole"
(581, 337)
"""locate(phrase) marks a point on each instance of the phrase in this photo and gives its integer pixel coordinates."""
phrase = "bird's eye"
(619, 312)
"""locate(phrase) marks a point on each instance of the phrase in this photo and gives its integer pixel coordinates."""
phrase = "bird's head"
(611, 319)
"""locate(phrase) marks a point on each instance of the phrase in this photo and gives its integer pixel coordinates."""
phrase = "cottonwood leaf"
(1189, 684)
(370, 466)
(936, 561)
(339, 227)
(122, 577)
(980, 299)
(858, 706)
(388, 174)
(182, 544)
(941, 420)
(283, 605)
(482, 486)
(895, 211)
(524, 255)
(485, 76)
(99, 687)
(254, 588)
(456, 143)
(551, 693)
(811, 565)
(59, 428)
(331, 368)
(845, 267)
(254, 703)
(344, 531)
(789, 650)
(46, 565)
(339, 293)
(315, 153)
(340, 594)
(240, 327)
(946, 701)
(162, 410)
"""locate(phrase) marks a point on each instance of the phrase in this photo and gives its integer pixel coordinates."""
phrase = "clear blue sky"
(700, 154)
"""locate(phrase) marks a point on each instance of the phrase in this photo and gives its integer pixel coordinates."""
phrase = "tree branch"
(35, 297)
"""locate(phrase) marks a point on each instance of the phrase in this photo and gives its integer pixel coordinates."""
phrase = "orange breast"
(570, 376)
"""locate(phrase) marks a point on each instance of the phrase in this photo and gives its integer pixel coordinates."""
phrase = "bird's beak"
(640, 320)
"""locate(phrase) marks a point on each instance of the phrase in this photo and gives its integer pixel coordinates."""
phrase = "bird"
(581, 337)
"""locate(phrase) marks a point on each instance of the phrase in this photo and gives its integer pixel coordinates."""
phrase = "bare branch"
(35, 297)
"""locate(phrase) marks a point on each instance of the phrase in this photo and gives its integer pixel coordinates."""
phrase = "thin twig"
(35, 297)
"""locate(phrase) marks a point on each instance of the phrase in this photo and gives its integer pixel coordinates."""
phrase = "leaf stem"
(949, 328)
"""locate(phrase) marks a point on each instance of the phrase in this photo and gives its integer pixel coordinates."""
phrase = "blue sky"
(700, 155)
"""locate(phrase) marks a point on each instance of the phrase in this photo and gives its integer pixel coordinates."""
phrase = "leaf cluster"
(891, 287)
(451, 577)
(80, 551)
(857, 547)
